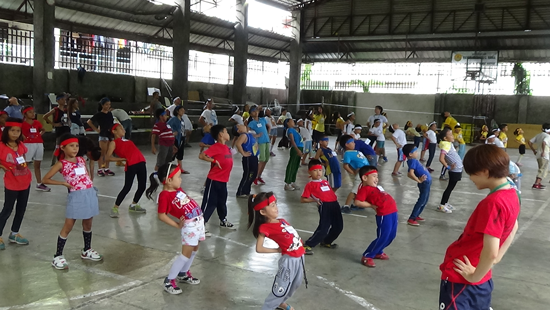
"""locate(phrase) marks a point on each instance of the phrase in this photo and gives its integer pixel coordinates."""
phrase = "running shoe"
(17, 238)
(100, 173)
(385, 159)
(109, 172)
(137, 208)
(296, 187)
(449, 206)
(207, 233)
(308, 250)
(444, 209)
(114, 212)
(419, 219)
(430, 170)
(289, 187)
(272, 154)
(60, 263)
(186, 277)
(538, 186)
(367, 261)
(42, 188)
(412, 222)
(171, 287)
(91, 254)
(396, 174)
(329, 246)
(261, 181)
(226, 224)
(256, 181)
(443, 178)
(345, 210)
(382, 256)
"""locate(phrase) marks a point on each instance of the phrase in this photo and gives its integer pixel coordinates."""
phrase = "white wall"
(400, 107)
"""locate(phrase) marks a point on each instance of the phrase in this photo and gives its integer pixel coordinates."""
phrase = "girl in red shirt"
(263, 213)
(82, 202)
(175, 202)
(135, 166)
(33, 131)
(17, 180)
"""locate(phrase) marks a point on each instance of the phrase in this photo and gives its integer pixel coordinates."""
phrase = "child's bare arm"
(507, 243)
(489, 254)
(412, 176)
(260, 246)
(347, 167)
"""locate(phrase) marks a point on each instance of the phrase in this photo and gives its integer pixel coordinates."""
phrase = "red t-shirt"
(319, 189)
(165, 133)
(222, 154)
(18, 177)
(379, 197)
(178, 205)
(285, 236)
(495, 215)
(32, 132)
(127, 149)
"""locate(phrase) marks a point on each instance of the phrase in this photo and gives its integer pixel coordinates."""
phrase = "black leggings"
(179, 154)
(139, 170)
(9, 201)
(431, 150)
(454, 177)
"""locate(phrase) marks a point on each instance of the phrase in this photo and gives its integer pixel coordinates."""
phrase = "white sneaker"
(444, 209)
(188, 278)
(91, 254)
(450, 207)
(207, 233)
(296, 187)
(171, 287)
(60, 263)
(289, 187)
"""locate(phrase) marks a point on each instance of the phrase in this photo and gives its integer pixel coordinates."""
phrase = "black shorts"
(317, 136)
(181, 149)
(522, 149)
(457, 296)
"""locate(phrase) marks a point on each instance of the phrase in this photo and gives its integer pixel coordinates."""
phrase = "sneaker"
(367, 261)
(226, 224)
(91, 254)
(444, 209)
(419, 219)
(171, 287)
(396, 174)
(443, 178)
(18, 239)
(60, 263)
(2, 245)
(308, 250)
(412, 222)
(242, 196)
(136, 208)
(382, 256)
(207, 233)
(42, 188)
(450, 207)
(256, 181)
(100, 173)
(538, 186)
(109, 172)
(289, 187)
(430, 170)
(186, 277)
(329, 246)
(272, 154)
(261, 181)
(385, 159)
(355, 208)
(345, 210)
(114, 212)
(296, 187)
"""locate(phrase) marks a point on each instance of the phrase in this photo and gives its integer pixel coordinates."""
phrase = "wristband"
(448, 167)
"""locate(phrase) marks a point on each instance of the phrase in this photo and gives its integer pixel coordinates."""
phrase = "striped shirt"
(165, 133)
(451, 156)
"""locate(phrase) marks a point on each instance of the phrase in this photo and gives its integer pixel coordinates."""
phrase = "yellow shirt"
(504, 138)
(246, 115)
(520, 139)
(319, 122)
(340, 123)
(412, 131)
(451, 121)
(458, 137)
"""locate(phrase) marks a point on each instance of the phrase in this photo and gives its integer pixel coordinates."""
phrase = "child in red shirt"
(215, 191)
(166, 136)
(371, 195)
(466, 282)
(175, 202)
(263, 213)
(331, 223)
(17, 179)
(33, 131)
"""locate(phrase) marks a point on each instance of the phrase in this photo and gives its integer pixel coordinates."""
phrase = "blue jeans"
(424, 189)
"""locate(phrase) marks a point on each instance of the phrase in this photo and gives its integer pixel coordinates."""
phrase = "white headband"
(547, 130)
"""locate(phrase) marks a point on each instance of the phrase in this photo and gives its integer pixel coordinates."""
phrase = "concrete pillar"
(44, 49)
(240, 58)
(295, 62)
(180, 44)
(522, 109)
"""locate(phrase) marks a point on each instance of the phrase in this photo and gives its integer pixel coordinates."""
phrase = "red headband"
(13, 124)
(370, 172)
(65, 142)
(115, 126)
(3, 112)
(314, 167)
(27, 109)
(265, 203)
(171, 175)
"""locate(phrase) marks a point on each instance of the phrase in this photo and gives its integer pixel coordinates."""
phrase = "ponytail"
(153, 187)
(255, 217)
(161, 174)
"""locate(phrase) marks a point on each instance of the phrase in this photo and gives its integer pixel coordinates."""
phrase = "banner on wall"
(485, 57)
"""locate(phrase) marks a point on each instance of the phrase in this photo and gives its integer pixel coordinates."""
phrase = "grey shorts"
(82, 204)
(273, 132)
(164, 154)
(103, 138)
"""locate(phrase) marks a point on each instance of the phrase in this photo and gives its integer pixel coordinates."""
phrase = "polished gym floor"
(138, 250)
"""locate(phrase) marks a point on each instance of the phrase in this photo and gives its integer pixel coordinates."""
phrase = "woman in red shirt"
(127, 151)
(17, 179)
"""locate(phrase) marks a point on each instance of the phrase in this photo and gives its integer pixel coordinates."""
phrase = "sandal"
(288, 307)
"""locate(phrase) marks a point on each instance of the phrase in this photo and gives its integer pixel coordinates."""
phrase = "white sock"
(189, 262)
(13, 233)
(177, 266)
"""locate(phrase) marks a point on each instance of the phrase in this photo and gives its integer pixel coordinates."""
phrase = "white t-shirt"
(381, 117)
(306, 135)
(187, 122)
(431, 136)
(356, 136)
(400, 136)
(309, 125)
(378, 132)
(538, 139)
(237, 118)
(210, 117)
(348, 128)
(171, 109)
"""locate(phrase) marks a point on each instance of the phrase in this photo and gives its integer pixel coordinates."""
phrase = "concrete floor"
(138, 250)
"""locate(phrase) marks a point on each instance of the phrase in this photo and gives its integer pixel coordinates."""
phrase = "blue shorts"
(458, 296)
(335, 180)
(308, 147)
(400, 156)
(380, 144)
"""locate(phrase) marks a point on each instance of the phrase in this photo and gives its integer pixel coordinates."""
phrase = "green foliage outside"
(522, 80)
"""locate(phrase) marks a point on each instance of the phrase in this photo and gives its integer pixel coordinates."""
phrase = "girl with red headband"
(82, 202)
(263, 213)
(3, 118)
(174, 201)
(17, 180)
(127, 151)
(33, 131)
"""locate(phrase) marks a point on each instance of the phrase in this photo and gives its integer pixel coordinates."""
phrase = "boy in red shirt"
(370, 195)
(466, 270)
(32, 131)
(166, 139)
(215, 191)
(331, 223)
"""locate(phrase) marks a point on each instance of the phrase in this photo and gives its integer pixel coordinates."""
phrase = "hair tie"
(265, 203)
(315, 167)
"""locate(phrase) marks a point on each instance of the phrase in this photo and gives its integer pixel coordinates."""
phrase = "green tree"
(522, 79)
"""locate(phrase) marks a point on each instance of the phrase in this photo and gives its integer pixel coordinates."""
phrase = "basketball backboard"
(480, 66)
